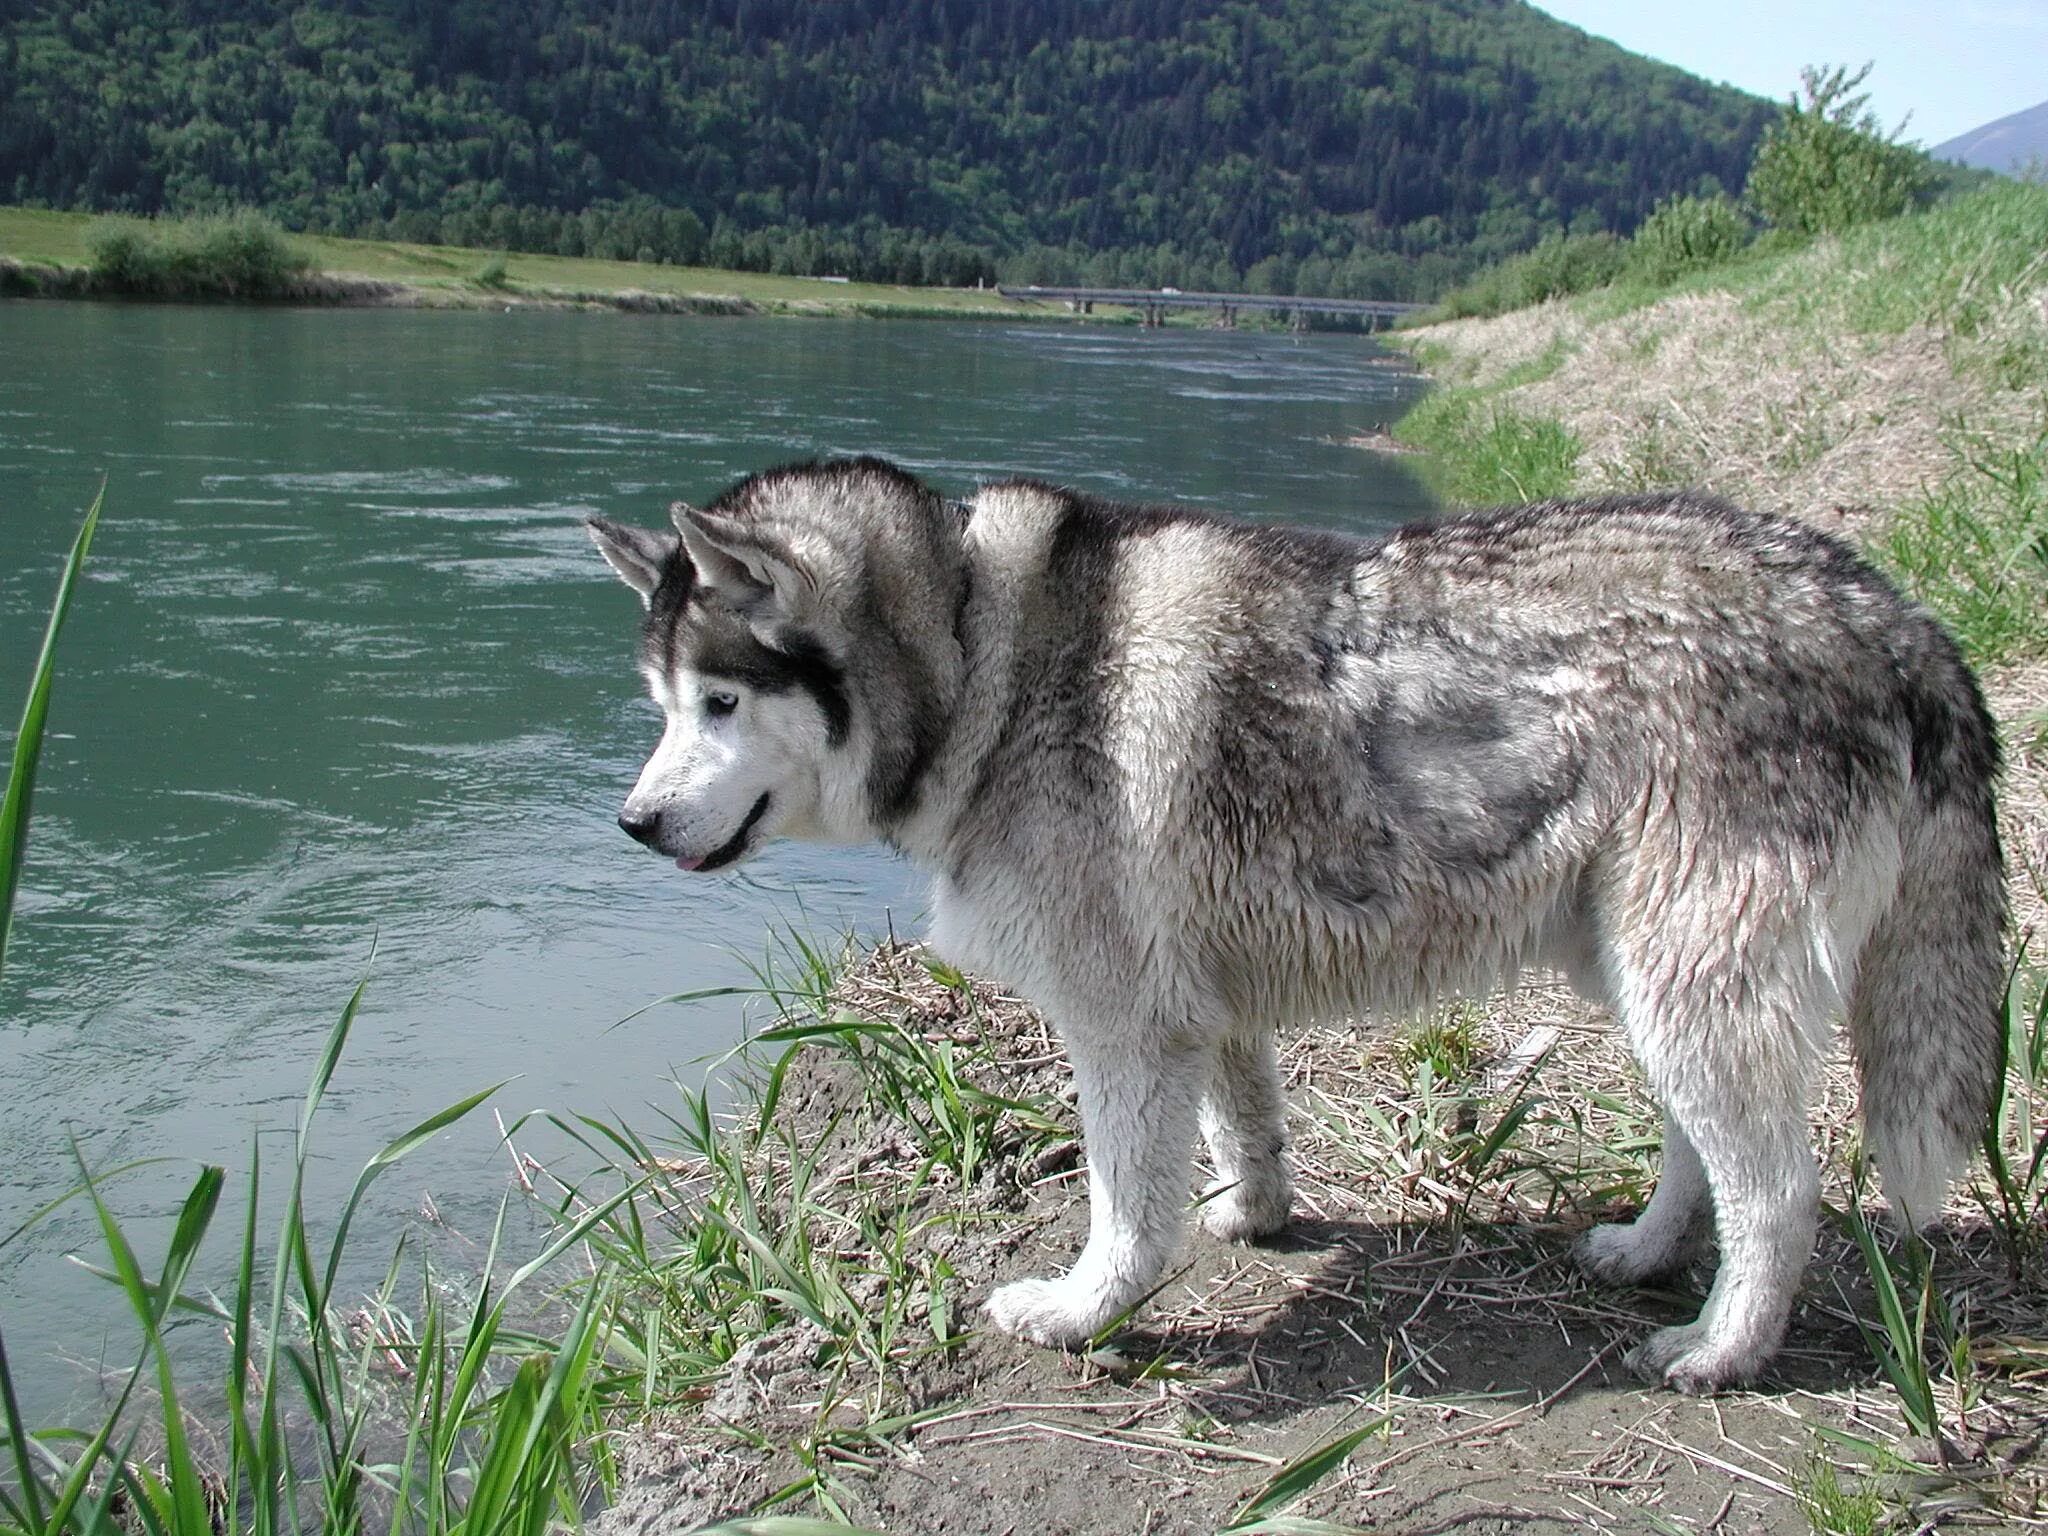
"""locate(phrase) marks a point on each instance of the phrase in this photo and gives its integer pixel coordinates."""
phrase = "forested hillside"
(1368, 147)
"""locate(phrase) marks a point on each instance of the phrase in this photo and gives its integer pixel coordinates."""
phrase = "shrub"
(17, 281)
(1828, 165)
(1556, 267)
(492, 273)
(237, 256)
(1687, 234)
(122, 254)
(243, 256)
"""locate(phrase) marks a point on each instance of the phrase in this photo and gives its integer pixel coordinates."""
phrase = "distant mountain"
(2010, 144)
(1380, 148)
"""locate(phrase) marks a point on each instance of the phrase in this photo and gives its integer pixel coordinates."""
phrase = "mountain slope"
(1386, 144)
(2010, 144)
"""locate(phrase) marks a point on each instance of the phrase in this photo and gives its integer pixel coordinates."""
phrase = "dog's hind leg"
(1139, 1082)
(1244, 1122)
(1728, 1019)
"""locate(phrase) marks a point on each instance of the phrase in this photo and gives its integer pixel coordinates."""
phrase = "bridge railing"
(1176, 298)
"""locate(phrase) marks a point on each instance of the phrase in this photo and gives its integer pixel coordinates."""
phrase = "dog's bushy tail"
(1925, 1013)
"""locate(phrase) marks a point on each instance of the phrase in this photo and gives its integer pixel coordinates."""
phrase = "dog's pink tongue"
(686, 861)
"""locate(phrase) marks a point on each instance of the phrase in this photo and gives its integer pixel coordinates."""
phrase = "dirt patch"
(1424, 1289)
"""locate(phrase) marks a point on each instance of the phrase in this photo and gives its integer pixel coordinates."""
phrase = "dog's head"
(800, 638)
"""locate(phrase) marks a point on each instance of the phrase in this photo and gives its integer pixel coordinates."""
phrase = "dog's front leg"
(1139, 1085)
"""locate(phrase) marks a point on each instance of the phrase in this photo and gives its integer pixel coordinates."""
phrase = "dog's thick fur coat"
(1180, 780)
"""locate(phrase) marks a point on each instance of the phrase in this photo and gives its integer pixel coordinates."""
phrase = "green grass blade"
(392, 1152)
(1898, 1348)
(424, 1419)
(28, 741)
(26, 1473)
(515, 1415)
(78, 1481)
(554, 1413)
(247, 1461)
(186, 1502)
(152, 1502)
(1298, 1476)
(330, 1053)
(197, 1306)
(35, 1217)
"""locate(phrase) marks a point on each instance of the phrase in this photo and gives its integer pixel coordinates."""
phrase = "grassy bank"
(1890, 382)
(52, 253)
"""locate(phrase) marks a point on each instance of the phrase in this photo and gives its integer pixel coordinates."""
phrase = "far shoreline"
(352, 290)
(49, 254)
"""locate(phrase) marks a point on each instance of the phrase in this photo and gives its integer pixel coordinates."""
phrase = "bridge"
(1153, 302)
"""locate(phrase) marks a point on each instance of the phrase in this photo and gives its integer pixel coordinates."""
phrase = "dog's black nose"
(641, 828)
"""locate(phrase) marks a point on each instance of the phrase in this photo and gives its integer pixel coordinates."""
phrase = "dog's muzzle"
(645, 828)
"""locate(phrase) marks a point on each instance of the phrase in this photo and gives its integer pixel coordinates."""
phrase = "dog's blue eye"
(719, 705)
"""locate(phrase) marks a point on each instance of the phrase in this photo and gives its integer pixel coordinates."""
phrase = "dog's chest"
(996, 934)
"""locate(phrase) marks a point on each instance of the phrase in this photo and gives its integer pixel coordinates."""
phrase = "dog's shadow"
(1348, 1309)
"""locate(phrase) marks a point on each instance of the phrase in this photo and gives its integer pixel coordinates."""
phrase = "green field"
(449, 274)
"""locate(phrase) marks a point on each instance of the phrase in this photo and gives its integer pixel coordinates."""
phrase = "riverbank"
(46, 254)
(778, 1310)
(1422, 1315)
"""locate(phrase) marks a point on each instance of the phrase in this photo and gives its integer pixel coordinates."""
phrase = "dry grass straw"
(1791, 387)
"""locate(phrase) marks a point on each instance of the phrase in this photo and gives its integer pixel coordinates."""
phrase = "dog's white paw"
(1053, 1312)
(1248, 1211)
(1622, 1253)
(1689, 1360)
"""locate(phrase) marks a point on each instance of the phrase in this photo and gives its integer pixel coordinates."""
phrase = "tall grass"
(1483, 452)
(831, 1239)
(452, 1422)
(2016, 1139)
(497, 1425)
(1975, 547)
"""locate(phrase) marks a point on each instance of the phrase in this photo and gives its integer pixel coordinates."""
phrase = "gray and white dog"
(1180, 779)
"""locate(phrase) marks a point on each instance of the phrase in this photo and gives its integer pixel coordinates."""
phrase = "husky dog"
(1180, 779)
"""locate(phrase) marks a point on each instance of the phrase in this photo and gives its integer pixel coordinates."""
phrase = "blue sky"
(1954, 64)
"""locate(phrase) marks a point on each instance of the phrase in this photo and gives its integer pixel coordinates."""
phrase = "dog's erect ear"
(747, 565)
(637, 554)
